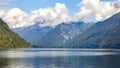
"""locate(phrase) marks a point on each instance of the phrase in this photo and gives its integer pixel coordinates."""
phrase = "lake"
(60, 58)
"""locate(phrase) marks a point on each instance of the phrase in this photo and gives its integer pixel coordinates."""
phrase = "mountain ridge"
(80, 34)
(63, 33)
(98, 35)
(9, 39)
(32, 34)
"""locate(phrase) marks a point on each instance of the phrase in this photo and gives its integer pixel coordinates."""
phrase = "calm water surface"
(60, 58)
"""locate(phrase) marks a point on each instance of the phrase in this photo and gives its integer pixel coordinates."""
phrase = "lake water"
(60, 58)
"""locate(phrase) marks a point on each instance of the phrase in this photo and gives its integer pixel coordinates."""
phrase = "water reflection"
(24, 53)
(59, 59)
(4, 62)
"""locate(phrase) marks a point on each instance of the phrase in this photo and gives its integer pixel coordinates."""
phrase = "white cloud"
(99, 10)
(50, 16)
(16, 18)
(117, 4)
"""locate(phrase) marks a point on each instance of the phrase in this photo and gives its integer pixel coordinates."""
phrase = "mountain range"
(63, 33)
(9, 39)
(102, 34)
(44, 36)
(33, 34)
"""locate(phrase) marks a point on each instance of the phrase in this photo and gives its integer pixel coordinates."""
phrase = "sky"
(32, 4)
(23, 13)
(29, 5)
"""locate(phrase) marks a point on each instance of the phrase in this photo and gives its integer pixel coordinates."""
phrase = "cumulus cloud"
(16, 18)
(50, 16)
(96, 9)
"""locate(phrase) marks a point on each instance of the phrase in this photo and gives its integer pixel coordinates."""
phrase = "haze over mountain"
(9, 39)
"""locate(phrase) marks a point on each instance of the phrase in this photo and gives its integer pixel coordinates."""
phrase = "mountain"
(62, 33)
(104, 34)
(32, 34)
(9, 39)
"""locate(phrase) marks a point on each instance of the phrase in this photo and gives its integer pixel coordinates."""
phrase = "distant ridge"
(63, 33)
(104, 34)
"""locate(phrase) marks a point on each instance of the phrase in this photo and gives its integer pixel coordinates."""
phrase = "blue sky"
(29, 5)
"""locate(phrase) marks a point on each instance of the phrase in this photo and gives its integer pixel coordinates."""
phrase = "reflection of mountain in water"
(4, 62)
(70, 60)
